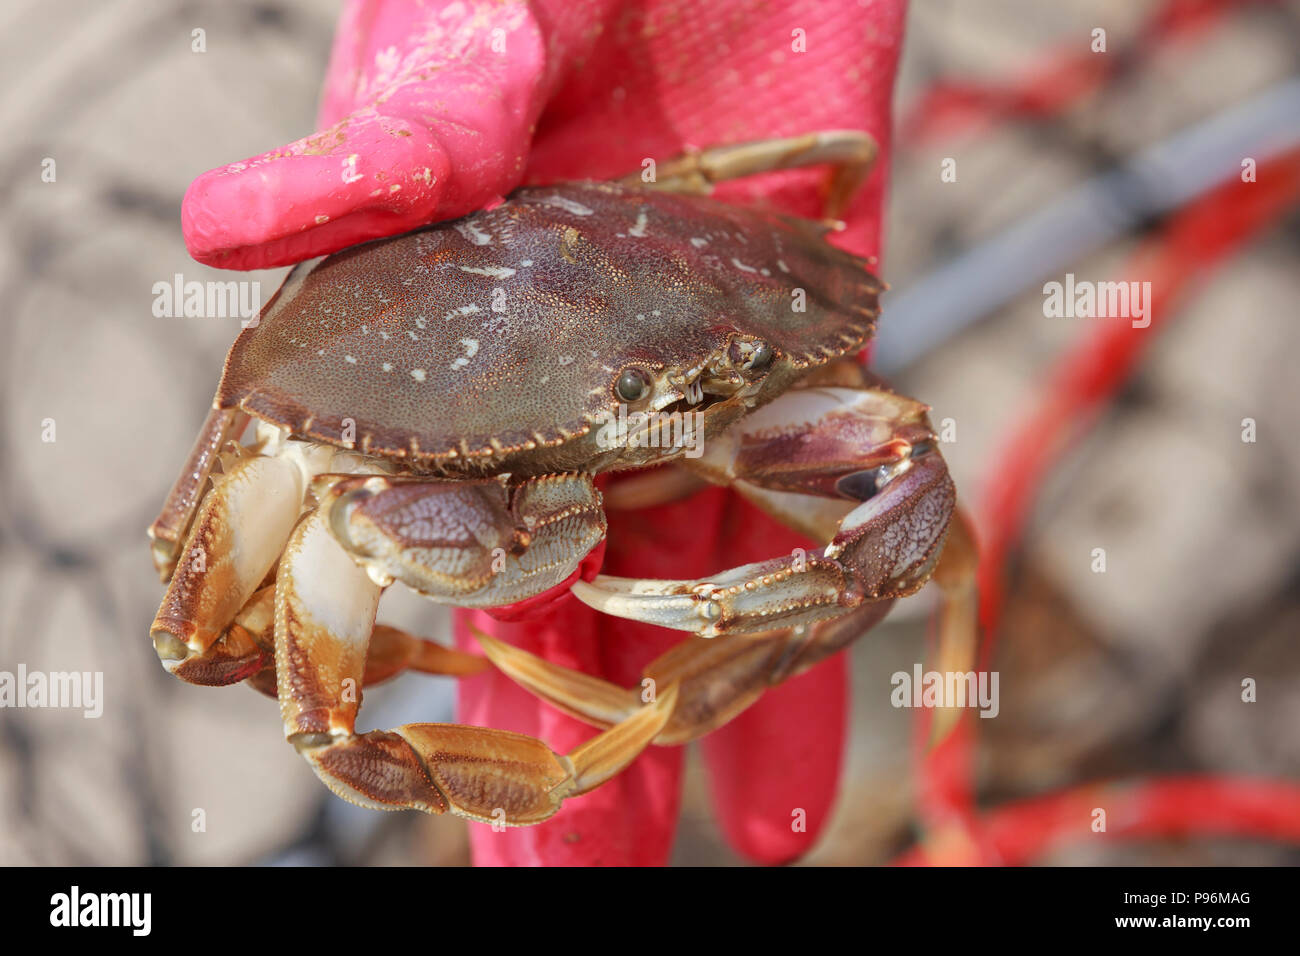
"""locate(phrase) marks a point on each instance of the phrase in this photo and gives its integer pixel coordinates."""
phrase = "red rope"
(1061, 79)
(1157, 808)
(1197, 239)
(1087, 377)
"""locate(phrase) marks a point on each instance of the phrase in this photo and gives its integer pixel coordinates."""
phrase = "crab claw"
(470, 543)
(885, 548)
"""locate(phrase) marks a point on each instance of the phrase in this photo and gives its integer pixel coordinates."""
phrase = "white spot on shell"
(494, 272)
(639, 229)
(463, 310)
(699, 243)
(566, 360)
(350, 359)
(418, 374)
(471, 349)
(473, 233)
(568, 205)
(387, 366)
(741, 266)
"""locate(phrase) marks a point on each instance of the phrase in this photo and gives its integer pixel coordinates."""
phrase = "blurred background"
(1066, 161)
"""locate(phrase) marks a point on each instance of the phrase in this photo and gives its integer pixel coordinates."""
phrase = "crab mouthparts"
(692, 396)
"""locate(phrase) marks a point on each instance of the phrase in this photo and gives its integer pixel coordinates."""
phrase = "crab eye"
(761, 357)
(633, 385)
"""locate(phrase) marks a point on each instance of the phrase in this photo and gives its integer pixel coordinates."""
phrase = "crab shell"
(494, 343)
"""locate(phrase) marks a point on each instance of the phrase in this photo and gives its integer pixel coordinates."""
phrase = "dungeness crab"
(436, 409)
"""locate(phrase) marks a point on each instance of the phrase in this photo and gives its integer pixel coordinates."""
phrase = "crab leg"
(716, 679)
(324, 612)
(168, 530)
(958, 630)
(852, 152)
(392, 651)
(235, 540)
(480, 543)
(719, 678)
(214, 624)
(867, 456)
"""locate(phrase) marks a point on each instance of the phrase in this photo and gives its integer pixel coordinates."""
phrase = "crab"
(440, 409)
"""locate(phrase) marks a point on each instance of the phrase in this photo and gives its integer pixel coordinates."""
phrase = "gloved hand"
(427, 112)
(431, 111)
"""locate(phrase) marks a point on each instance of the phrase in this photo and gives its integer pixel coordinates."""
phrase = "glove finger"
(449, 133)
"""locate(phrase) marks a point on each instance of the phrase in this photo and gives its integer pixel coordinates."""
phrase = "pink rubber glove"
(427, 113)
(425, 101)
